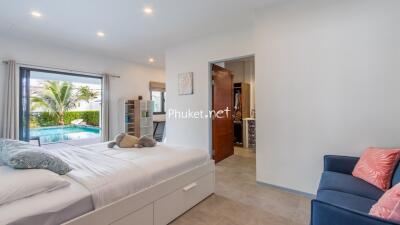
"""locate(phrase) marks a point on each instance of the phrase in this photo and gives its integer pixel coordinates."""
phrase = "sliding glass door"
(57, 107)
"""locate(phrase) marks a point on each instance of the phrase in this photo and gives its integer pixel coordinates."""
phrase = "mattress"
(49, 208)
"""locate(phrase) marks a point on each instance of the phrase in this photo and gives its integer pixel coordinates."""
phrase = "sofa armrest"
(323, 213)
(340, 164)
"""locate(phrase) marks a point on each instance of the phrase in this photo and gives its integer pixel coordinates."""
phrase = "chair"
(158, 133)
(36, 138)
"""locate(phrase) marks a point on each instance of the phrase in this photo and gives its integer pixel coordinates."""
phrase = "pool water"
(64, 133)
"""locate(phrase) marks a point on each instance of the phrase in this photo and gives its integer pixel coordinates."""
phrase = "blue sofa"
(343, 199)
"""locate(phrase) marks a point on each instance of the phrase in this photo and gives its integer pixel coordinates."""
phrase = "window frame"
(162, 102)
(24, 95)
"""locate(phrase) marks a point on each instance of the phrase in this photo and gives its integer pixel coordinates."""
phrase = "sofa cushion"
(396, 175)
(349, 184)
(376, 166)
(388, 206)
(22, 155)
(346, 200)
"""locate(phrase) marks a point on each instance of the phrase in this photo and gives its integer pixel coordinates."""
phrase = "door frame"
(210, 93)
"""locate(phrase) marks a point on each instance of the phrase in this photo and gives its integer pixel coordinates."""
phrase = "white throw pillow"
(17, 184)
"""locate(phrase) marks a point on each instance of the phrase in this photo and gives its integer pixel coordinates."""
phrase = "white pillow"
(17, 184)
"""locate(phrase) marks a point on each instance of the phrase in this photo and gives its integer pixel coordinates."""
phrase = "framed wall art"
(185, 83)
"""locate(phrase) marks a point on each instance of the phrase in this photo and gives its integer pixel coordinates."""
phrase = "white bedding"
(18, 184)
(160, 162)
(49, 208)
(111, 174)
(107, 178)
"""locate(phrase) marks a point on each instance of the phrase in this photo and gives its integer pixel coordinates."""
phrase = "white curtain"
(105, 118)
(9, 120)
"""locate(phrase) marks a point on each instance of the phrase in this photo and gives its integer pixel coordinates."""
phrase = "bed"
(148, 186)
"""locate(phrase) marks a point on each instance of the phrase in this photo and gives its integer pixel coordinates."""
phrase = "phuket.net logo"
(198, 114)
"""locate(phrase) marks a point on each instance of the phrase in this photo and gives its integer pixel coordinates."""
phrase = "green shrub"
(45, 119)
(33, 122)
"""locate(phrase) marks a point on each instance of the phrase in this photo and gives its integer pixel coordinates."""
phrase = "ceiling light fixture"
(151, 60)
(100, 34)
(148, 10)
(36, 14)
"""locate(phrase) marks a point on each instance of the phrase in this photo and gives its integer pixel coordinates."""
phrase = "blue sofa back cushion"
(349, 184)
(396, 175)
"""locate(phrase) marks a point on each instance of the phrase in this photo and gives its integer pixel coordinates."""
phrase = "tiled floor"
(239, 200)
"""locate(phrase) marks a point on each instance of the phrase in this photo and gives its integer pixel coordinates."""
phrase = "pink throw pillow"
(388, 206)
(376, 166)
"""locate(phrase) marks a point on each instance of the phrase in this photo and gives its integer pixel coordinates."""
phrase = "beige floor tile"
(239, 200)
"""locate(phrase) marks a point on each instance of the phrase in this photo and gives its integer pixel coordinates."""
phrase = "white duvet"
(111, 174)
(160, 162)
(107, 178)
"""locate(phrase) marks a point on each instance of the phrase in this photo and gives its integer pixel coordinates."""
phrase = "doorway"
(233, 87)
(58, 107)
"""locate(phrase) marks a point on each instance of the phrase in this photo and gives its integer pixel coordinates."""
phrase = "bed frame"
(157, 205)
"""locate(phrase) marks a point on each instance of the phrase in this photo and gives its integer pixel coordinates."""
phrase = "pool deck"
(81, 142)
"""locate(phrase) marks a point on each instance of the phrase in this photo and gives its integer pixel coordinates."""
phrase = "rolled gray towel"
(112, 144)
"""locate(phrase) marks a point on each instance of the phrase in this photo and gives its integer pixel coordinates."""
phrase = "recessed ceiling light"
(148, 10)
(100, 34)
(151, 60)
(36, 14)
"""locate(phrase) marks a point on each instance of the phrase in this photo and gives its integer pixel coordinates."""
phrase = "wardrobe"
(241, 110)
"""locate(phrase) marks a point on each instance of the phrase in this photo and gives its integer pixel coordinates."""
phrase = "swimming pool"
(64, 133)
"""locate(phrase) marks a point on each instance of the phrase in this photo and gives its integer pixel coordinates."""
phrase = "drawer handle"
(190, 187)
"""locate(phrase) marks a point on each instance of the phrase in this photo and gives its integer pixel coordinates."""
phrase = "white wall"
(134, 79)
(195, 57)
(327, 75)
(330, 80)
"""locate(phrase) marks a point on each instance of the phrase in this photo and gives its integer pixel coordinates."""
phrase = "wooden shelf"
(133, 122)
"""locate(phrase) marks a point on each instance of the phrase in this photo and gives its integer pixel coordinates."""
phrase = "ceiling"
(130, 34)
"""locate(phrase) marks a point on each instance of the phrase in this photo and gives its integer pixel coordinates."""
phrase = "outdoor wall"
(327, 76)
(134, 79)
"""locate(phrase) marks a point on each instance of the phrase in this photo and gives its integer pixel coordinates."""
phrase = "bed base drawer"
(176, 203)
(143, 216)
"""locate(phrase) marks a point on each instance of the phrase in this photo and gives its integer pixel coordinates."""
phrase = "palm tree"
(86, 94)
(57, 98)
